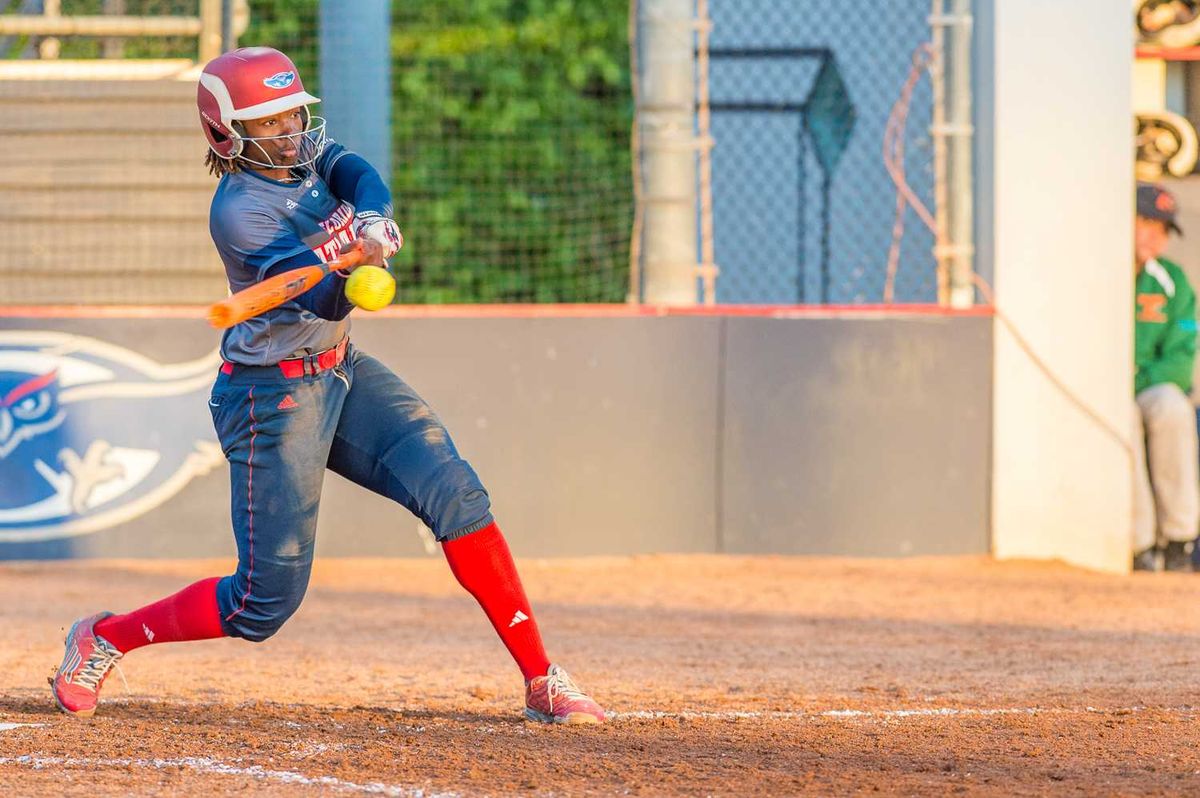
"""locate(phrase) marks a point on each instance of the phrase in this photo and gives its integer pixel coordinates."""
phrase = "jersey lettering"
(1150, 308)
(258, 222)
(338, 227)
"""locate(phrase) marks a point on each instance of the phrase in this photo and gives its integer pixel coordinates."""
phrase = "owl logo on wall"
(28, 409)
(92, 434)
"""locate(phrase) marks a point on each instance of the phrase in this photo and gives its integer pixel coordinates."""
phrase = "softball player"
(295, 397)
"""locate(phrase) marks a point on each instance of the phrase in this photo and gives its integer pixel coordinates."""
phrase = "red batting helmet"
(248, 83)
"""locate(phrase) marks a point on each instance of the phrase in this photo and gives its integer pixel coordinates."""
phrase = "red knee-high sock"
(484, 566)
(190, 614)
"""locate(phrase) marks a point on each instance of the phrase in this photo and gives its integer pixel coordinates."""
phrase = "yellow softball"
(370, 287)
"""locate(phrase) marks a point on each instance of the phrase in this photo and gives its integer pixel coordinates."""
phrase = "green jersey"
(1164, 327)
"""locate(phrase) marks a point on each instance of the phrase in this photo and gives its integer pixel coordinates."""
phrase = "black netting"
(803, 207)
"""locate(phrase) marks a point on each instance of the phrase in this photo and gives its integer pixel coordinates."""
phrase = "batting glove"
(378, 227)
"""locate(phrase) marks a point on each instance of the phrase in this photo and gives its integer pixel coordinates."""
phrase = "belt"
(309, 365)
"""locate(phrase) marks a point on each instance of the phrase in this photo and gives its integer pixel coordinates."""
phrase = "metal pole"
(356, 77)
(956, 243)
(937, 82)
(667, 113)
(228, 40)
(707, 268)
(962, 220)
(210, 30)
(634, 296)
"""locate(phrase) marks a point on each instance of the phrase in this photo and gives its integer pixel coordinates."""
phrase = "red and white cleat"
(85, 666)
(554, 698)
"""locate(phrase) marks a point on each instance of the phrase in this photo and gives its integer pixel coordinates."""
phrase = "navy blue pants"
(359, 420)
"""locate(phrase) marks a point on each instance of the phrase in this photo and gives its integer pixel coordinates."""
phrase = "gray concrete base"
(863, 436)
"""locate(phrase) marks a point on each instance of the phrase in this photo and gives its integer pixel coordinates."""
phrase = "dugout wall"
(598, 431)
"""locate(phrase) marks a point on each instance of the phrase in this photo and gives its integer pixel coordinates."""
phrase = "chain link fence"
(510, 153)
(511, 150)
(801, 97)
(510, 145)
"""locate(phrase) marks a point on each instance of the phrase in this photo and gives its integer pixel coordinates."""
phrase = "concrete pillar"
(356, 74)
(667, 114)
(1055, 226)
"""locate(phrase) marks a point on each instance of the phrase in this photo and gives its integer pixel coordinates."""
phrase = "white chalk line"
(206, 765)
(217, 767)
(851, 714)
(888, 714)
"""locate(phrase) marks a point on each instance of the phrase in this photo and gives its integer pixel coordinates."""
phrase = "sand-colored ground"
(727, 676)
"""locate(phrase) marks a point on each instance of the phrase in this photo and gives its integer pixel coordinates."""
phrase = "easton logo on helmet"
(280, 80)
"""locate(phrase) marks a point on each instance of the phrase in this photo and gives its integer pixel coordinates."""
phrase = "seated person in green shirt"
(1167, 497)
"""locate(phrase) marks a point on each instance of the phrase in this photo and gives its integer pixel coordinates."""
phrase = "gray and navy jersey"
(257, 222)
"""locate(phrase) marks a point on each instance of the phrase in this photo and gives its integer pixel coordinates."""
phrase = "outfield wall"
(607, 432)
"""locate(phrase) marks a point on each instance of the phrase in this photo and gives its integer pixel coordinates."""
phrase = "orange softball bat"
(274, 291)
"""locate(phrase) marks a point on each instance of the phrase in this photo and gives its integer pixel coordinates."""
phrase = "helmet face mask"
(254, 83)
(310, 143)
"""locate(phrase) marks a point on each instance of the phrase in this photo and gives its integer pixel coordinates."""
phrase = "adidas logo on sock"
(520, 616)
(149, 632)
(288, 403)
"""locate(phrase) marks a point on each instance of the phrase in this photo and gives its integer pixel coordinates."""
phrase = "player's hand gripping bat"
(274, 291)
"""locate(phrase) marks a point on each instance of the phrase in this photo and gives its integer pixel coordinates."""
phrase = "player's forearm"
(327, 299)
(357, 182)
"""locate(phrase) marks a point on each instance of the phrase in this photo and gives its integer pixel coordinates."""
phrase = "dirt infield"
(728, 676)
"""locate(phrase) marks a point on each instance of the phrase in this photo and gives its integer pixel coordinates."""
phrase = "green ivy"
(510, 124)
(511, 165)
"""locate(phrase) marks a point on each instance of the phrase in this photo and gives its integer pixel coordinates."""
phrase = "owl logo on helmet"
(280, 80)
(251, 83)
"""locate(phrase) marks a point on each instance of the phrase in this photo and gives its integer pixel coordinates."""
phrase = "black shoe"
(1147, 560)
(1178, 556)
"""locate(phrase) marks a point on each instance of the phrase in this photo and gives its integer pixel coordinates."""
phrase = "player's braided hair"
(219, 166)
